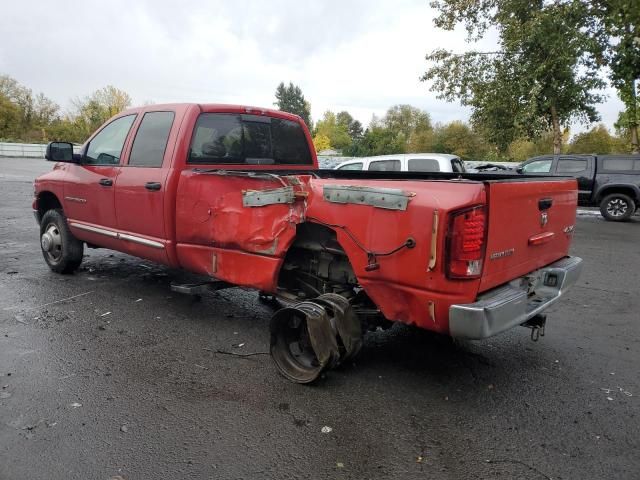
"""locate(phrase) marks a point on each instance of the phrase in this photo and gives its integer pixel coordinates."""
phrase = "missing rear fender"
(316, 264)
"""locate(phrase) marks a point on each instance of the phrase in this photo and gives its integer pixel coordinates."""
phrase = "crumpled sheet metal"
(346, 323)
(321, 334)
(258, 230)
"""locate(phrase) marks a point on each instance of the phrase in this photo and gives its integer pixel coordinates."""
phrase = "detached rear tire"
(617, 207)
(61, 250)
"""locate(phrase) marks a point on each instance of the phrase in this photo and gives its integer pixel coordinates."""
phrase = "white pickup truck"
(407, 162)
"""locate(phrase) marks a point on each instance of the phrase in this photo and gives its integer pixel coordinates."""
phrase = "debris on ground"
(610, 391)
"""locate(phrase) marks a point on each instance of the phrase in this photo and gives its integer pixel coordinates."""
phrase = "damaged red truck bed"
(235, 193)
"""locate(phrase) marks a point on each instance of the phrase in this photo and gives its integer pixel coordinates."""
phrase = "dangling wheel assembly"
(313, 336)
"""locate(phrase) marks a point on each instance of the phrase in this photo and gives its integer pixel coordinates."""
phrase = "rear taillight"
(466, 243)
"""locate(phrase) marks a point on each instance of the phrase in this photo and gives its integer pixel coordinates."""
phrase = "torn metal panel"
(260, 198)
(321, 334)
(346, 322)
(387, 198)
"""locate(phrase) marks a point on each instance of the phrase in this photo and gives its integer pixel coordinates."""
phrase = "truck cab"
(611, 182)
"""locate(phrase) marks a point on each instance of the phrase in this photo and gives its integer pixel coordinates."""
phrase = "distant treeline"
(34, 118)
(27, 117)
(407, 129)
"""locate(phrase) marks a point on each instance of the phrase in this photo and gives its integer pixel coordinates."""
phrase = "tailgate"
(530, 225)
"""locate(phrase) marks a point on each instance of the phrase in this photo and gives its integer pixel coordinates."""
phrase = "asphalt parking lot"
(108, 374)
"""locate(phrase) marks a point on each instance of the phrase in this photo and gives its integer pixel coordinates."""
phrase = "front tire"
(61, 250)
(617, 207)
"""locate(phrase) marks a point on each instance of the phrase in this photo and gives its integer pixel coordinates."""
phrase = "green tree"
(459, 139)
(410, 125)
(9, 118)
(353, 126)
(336, 131)
(92, 111)
(321, 142)
(22, 98)
(523, 148)
(403, 128)
(596, 140)
(620, 21)
(30, 115)
(377, 140)
(290, 99)
(405, 120)
(542, 76)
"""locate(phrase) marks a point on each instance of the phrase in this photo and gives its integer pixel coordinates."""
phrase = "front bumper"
(510, 305)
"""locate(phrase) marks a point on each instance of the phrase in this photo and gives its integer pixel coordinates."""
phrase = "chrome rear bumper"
(510, 305)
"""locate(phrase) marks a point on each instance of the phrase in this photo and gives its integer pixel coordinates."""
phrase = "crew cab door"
(141, 184)
(89, 186)
(582, 169)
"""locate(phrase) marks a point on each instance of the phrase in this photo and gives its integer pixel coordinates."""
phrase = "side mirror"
(59, 152)
(519, 169)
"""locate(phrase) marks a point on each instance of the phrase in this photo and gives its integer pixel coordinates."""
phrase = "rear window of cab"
(221, 138)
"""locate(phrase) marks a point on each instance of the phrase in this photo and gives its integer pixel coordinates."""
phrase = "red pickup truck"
(234, 193)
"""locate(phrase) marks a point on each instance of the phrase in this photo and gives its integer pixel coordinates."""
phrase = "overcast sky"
(357, 55)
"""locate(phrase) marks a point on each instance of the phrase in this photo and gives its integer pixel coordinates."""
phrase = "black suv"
(611, 182)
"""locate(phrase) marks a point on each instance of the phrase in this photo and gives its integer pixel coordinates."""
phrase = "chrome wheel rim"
(51, 243)
(617, 207)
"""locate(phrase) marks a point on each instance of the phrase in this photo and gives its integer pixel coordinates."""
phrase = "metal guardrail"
(28, 150)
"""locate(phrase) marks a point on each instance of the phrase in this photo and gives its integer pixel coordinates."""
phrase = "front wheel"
(61, 250)
(617, 207)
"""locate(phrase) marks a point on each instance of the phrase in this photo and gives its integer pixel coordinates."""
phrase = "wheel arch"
(47, 200)
(631, 190)
(311, 235)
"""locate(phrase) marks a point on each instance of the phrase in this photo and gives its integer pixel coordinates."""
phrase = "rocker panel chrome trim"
(114, 234)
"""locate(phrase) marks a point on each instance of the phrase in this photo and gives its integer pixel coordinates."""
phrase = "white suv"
(407, 162)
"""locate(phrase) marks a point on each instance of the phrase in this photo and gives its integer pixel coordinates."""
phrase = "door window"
(423, 165)
(151, 139)
(539, 166)
(351, 166)
(106, 147)
(573, 165)
(385, 165)
(457, 165)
